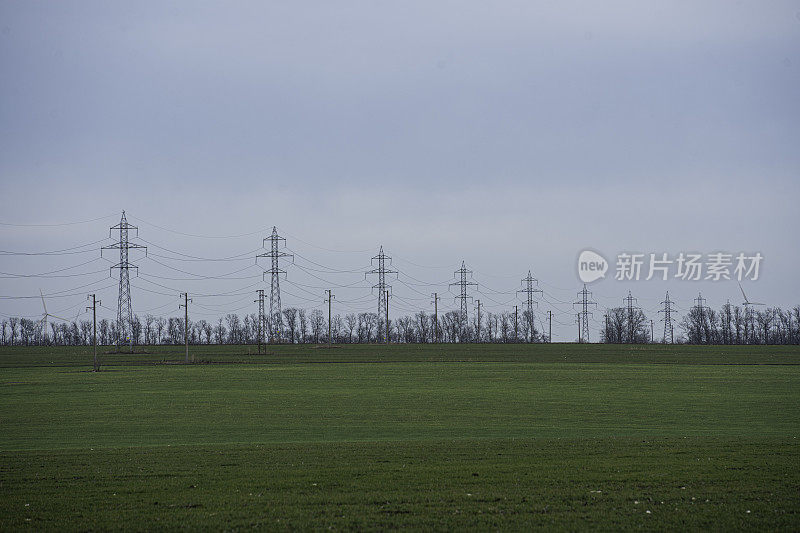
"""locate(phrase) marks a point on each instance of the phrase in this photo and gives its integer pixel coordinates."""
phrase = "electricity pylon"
(384, 291)
(629, 301)
(530, 286)
(668, 327)
(583, 316)
(276, 320)
(124, 306)
(463, 283)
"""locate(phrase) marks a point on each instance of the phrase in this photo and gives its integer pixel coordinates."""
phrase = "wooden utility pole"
(94, 329)
(550, 320)
(435, 297)
(516, 324)
(478, 336)
(185, 306)
(386, 292)
(330, 297)
(261, 321)
(651, 330)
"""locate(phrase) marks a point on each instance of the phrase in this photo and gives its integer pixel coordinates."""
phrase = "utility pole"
(461, 274)
(629, 300)
(651, 331)
(94, 328)
(530, 286)
(185, 306)
(516, 324)
(584, 314)
(261, 318)
(578, 320)
(329, 300)
(383, 288)
(388, 333)
(605, 332)
(124, 306)
(550, 325)
(478, 335)
(276, 320)
(435, 297)
(668, 328)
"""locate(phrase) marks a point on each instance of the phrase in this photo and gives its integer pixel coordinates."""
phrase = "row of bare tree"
(298, 326)
(702, 325)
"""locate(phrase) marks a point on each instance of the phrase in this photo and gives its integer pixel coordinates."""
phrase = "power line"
(55, 224)
(261, 231)
(64, 251)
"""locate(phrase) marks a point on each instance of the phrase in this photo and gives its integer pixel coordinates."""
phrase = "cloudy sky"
(508, 135)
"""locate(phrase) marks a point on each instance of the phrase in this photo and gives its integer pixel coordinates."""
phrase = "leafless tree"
(290, 318)
(317, 320)
(351, 321)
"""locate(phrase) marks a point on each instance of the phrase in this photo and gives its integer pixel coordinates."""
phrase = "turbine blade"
(43, 304)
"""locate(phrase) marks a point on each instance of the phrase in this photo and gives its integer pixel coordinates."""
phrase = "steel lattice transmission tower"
(384, 291)
(629, 301)
(584, 314)
(124, 305)
(700, 305)
(463, 282)
(276, 320)
(530, 286)
(668, 327)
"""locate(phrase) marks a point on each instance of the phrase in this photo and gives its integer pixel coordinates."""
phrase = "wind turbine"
(746, 301)
(748, 311)
(43, 322)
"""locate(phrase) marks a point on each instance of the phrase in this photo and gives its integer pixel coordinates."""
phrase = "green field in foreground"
(431, 437)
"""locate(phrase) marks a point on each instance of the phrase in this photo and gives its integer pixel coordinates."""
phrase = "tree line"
(701, 325)
(298, 326)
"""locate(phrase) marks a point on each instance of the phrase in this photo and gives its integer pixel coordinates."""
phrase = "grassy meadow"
(427, 437)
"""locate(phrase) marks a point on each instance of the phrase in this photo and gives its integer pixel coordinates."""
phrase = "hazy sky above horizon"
(509, 135)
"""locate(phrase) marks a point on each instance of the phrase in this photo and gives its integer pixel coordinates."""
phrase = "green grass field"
(427, 437)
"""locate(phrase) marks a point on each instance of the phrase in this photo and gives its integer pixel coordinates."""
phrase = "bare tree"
(161, 323)
(317, 320)
(234, 328)
(219, 332)
(351, 321)
(337, 328)
(13, 321)
(423, 326)
(290, 318)
(303, 323)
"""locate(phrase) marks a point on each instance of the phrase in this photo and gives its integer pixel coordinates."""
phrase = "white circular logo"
(591, 266)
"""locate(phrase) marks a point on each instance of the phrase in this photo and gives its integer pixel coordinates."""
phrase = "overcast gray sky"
(510, 135)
